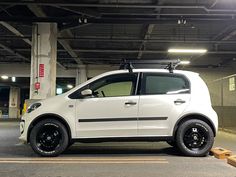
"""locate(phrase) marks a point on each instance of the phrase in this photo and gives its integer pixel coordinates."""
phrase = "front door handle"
(179, 101)
(130, 103)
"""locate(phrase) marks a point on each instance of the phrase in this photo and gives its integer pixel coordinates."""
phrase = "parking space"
(109, 159)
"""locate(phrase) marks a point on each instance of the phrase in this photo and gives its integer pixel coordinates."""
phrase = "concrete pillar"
(14, 102)
(43, 60)
(81, 74)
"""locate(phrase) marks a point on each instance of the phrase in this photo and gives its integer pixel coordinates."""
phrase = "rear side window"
(154, 83)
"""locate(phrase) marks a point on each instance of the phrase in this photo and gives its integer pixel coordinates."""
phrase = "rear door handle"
(179, 101)
(130, 103)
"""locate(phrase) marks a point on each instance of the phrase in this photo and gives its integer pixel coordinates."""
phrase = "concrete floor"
(109, 159)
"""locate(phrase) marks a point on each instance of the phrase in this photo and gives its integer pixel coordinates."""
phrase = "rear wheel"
(49, 137)
(194, 138)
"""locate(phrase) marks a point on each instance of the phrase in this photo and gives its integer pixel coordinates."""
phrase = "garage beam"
(19, 34)
(68, 48)
(14, 52)
(146, 35)
(130, 51)
(5, 8)
(223, 33)
(111, 5)
(120, 14)
(39, 13)
(80, 11)
(147, 40)
(15, 31)
(106, 20)
(126, 39)
(229, 36)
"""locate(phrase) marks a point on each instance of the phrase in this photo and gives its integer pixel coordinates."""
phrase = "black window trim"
(140, 89)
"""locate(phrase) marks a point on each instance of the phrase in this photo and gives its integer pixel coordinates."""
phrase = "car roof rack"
(168, 64)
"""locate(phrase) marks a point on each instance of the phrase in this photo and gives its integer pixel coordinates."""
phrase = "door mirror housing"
(86, 92)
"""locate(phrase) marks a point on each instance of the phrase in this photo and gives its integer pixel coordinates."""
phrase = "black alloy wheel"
(195, 138)
(49, 138)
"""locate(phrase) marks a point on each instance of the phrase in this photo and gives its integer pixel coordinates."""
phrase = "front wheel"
(195, 138)
(49, 138)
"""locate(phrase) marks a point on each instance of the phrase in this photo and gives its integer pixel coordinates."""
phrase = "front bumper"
(23, 131)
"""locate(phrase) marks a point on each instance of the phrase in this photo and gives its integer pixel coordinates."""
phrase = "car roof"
(152, 70)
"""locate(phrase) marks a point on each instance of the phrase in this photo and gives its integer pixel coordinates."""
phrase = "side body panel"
(106, 117)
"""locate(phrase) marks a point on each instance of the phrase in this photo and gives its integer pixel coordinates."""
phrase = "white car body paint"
(147, 106)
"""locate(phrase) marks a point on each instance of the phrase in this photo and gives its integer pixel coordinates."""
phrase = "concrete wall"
(223, 99)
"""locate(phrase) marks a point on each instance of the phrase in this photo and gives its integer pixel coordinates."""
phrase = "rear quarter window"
(155, 83)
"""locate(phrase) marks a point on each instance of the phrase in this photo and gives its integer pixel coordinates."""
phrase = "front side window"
(115, 85)
(111, 86)
(164, 84)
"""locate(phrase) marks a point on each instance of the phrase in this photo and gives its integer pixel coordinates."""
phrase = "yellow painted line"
(84, 160)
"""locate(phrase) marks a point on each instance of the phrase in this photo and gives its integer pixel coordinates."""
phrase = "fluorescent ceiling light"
(69, 86)
(184, 62)
(187, 50)
(13, 79)
(4, 77)
(59, 91)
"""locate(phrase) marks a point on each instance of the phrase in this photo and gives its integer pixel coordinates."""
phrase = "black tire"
(195, 138)
(49, 138)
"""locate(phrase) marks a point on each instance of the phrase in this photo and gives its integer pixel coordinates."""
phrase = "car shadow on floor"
(107, 151)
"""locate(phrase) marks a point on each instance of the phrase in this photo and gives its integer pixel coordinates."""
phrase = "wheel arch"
(51, 116)
(194, 116)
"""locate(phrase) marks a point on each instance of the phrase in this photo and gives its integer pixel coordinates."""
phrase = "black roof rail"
(168, 64)
(127, 65)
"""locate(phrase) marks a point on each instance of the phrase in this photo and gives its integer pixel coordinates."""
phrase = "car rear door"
(163, 97)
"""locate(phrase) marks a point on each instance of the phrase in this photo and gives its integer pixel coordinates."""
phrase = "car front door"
(163, 97)
(111, 110)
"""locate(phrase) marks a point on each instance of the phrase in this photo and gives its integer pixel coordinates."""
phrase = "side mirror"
(86, 92)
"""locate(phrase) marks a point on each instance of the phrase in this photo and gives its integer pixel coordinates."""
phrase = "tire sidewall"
(182, 130)
(63, 142)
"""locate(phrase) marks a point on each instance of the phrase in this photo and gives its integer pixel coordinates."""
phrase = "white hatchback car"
(142, 105)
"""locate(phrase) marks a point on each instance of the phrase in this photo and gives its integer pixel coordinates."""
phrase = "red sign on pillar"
(37, 85)
(41, 70)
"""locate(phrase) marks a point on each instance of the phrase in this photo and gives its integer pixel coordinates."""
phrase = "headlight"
(33, 107)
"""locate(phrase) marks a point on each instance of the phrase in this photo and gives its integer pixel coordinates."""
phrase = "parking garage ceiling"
(107, 31)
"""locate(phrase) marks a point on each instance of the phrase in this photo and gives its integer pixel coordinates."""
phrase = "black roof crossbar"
(168, 64)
